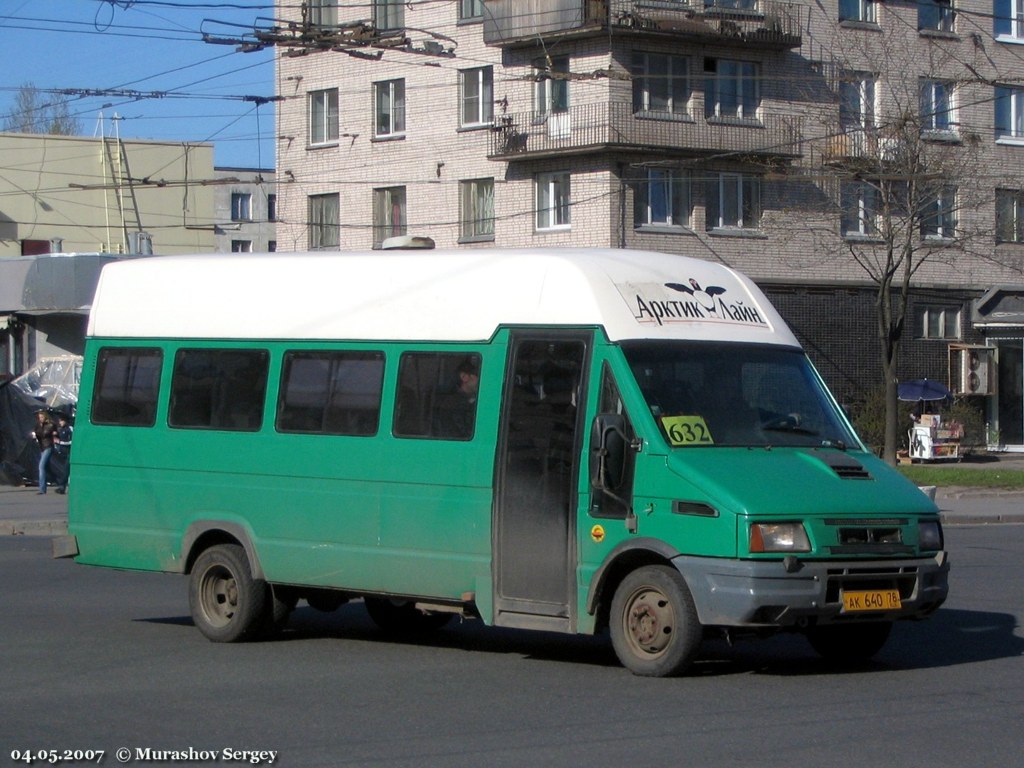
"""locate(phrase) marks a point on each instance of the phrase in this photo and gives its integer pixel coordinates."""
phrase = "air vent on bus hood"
(844, 465)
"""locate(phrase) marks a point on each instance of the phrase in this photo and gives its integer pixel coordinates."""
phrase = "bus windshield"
(727, 394)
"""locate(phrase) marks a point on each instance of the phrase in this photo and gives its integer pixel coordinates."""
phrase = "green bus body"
(578, 500)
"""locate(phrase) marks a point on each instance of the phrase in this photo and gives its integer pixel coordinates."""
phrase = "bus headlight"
(778, 537)
(929, 535)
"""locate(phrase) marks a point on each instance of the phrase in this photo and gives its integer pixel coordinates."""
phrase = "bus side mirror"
(608, 444)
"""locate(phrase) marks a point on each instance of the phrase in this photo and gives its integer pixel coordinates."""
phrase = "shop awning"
(1001, 306)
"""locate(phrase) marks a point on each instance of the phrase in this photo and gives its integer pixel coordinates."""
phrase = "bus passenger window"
(127, 385)
(437, 395)
(219, 389)
(331, 393)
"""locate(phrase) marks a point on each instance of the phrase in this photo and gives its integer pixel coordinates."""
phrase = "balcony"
(615, 127)
(765, 24)
(861, 147)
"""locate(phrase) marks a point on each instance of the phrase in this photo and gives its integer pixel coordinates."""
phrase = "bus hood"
(797, 482)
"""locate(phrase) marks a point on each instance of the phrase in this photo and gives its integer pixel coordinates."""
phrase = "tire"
(653, 623)
(326, 601)
(849, 643)
(228, 605)
(403, 618)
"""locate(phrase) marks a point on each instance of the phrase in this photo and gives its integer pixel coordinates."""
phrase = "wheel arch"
(203, 534)
(622, 560)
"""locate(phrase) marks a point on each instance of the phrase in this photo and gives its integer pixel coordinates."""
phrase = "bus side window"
(331, 392)
(127, 386)
(437, 395)
(219, 389)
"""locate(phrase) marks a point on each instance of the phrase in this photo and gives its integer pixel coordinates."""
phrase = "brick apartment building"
(764, 135)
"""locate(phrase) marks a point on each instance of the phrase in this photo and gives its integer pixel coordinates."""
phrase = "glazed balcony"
(860, 147)
(751, 23)
(615, 127)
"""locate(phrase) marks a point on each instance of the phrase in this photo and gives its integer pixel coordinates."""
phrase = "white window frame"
(324, 221)
(477, 206)
(733, 81)
(1013, 98)
(471, 10)
(241, 246)
(938, 99)
(859, 216)
(735, 194)
(241, 206)
(939, 323)
(389, 108)
(389, 14)
(322, 13)
(387, 202)
(554, 201)
(1009, 216)
(551, 94)
(863, 11)
(661, 84)
(663, 200)
(476, 97)
(858, 100)
(939, 215)
(323, 117)
(1008, 24)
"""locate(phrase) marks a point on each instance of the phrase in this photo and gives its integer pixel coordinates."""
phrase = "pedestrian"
(45, 434)
(62, 447)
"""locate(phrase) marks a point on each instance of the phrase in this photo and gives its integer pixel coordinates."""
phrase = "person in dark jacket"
(62, 447)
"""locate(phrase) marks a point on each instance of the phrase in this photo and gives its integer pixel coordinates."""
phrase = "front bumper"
(748, 593)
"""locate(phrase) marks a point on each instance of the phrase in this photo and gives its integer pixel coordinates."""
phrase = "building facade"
(822, 148)
(245, 210)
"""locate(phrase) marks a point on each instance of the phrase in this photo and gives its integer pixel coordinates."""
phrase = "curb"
(980, 519)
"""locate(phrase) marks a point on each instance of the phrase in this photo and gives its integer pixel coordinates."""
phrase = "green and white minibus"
(571, 440)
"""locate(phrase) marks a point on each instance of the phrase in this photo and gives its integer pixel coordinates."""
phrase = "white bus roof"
(457, 295)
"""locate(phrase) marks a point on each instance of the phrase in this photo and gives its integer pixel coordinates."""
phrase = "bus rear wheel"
(227, 603)
(654, 626)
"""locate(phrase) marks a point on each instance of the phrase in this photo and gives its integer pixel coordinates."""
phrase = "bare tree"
(36, 112)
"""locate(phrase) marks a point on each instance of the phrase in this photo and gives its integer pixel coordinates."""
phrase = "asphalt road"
(104, 660)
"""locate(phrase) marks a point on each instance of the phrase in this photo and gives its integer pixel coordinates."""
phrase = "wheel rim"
(648, 622)
(219, 595)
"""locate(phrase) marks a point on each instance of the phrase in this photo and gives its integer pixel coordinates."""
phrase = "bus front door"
(538, 462)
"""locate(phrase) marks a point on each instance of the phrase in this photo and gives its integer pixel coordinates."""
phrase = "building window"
(271, 246)
(388, 214)
(389, 108)
(939, 323)
(389, 14)
(732, 89)
(662, 200)
(324, 222)
(857, 100)
(938, 215)
(476, 94)
(553, 201)
(1009, 216)
(241, 246)
(660, 83)
(1008, 23)
(734, 202)
(241, 206)
(330, 393)
(859, 209)
(323, 117)
(321, 13)
(471, 9)
(938, 112)
(551, 94)
(220, 389)
(935, 15)
(1009, 105)
(271, 207)
(477, 202)
(858, 10)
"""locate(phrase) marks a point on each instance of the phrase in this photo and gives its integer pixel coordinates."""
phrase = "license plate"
(871, 600)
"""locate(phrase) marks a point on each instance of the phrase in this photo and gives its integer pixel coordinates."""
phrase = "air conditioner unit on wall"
(976, 371)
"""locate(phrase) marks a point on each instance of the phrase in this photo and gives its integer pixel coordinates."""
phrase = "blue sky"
(148, 46)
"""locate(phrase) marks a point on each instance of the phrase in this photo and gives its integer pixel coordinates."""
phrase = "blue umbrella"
(923, 389)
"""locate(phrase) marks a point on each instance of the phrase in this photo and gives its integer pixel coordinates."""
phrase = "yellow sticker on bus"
(687, 430)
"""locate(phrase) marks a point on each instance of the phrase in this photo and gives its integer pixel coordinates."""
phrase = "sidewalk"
(24, 512)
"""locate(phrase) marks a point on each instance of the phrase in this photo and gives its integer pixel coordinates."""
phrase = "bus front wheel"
(227, 603)
(654, 626)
